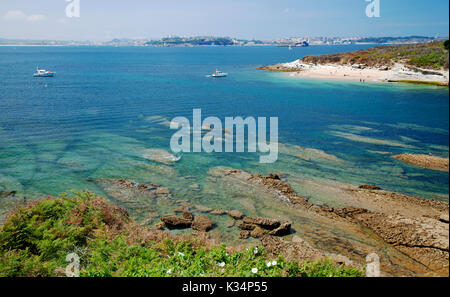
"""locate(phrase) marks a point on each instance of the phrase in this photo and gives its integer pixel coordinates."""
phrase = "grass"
(35, 239)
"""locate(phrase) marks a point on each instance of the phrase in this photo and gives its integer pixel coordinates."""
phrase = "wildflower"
(181, 254)
(222, 264)
(255, 251)
(274, 263)
(169, 271)
(269, 264)
(255, 270)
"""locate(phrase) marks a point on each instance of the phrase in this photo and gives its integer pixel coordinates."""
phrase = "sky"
(260, 19)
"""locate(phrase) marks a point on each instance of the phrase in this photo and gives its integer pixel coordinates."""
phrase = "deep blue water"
(92, 118)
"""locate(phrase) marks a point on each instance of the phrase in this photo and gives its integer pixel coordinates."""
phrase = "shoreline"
(398, 73)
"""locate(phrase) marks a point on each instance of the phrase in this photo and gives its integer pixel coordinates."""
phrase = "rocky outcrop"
(160, 155)
(425, 161)
(298, 250)
(236, 214)
(202, 223)
(424, 239)
(415, 227)
(187, 219)
(262, 226)
(369, 187)
(268, 224)
(174, 222)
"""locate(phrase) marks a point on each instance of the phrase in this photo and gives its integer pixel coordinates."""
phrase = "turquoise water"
(107, 105)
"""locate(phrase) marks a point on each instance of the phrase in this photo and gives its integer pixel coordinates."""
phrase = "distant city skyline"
(249, 19)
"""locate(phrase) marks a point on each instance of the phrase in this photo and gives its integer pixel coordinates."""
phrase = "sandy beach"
(359, 73)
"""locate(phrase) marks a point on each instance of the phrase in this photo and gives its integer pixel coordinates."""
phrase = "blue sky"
(261, 19)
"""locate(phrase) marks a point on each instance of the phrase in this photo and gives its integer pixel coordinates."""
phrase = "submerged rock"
(425, 161)
(230, 223)
(218, 212)
(137, 198)
(161, 156)
(202, 208)
(236, 214)
(257, 232)
(202, 223)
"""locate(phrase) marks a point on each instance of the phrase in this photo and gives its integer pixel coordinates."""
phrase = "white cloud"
(18, 15)
(15, 15)
(35, 17)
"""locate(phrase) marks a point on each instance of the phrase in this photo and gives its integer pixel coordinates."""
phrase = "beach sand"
(358, 73)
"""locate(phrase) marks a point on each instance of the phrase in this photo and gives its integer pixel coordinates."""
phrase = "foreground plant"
(35, 240)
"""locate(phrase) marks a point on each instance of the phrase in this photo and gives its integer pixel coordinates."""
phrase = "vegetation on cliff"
(433, 55)
(35, 240)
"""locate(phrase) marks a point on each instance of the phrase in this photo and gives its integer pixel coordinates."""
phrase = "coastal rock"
(218, 212)
(425, 161)
(162, 191)
(244, 234)
(202, 208)
(423, 257)
(138, 198)
(230, 223)
(284, 229)
(424, 239)
(236, 214)
(298, 250)
(160, 155)
(202, 223)
(160, 226)
(244, 226)
(180, 209)
(257, 232)
(186, 214)
(369, 187)
(174, 222)
(268, 224)
(444, 218)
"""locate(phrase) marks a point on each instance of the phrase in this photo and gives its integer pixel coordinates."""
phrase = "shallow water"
(107, 106)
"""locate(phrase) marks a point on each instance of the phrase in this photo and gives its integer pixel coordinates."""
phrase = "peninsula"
(425, 63)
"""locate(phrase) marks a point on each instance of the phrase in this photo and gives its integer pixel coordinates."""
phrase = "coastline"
(398, 73)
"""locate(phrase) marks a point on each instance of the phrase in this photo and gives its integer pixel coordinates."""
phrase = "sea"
(107, 108)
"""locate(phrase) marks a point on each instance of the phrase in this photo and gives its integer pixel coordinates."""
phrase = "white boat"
(43, 73)
(219, 74)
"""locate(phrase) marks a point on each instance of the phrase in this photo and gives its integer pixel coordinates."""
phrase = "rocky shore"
(410, 234)
(425, 161)
(415, 227)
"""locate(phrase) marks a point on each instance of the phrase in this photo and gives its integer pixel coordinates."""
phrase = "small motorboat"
(43, 73)
(219, 73)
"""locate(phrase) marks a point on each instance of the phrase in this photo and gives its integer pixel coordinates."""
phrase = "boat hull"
(43, 75)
